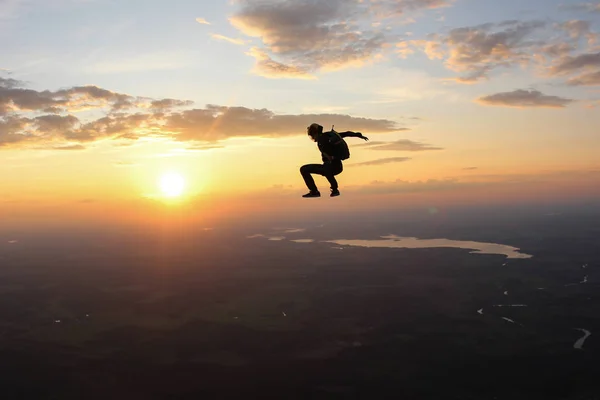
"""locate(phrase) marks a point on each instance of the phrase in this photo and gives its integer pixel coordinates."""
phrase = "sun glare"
(171, 184)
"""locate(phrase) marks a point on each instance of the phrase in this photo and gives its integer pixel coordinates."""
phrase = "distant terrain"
(191, 314)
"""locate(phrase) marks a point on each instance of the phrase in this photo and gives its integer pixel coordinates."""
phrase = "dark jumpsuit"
(330, 168)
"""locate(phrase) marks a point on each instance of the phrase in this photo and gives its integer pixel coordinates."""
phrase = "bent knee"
(303, 169)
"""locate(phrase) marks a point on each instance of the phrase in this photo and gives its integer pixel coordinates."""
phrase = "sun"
(171, 184)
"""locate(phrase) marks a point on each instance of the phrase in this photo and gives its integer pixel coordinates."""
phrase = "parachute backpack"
(340, 147)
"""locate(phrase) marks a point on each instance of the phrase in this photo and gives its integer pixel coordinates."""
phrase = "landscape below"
(229, 313)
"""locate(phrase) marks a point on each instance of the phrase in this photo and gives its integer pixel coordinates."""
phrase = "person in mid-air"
(333, 151)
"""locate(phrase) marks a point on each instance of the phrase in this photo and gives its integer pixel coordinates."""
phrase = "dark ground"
(213, 314)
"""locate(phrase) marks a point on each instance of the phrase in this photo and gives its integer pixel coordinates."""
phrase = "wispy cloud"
(381, 161)
(69, 147)
(203, 147)
(216, 36)
(525, 99)
(588, 7)
(405, 6)
(202, 21)
(399, 145)
(586, 79)
(555, 179)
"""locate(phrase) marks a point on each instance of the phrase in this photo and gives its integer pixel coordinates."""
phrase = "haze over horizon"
(465, 102)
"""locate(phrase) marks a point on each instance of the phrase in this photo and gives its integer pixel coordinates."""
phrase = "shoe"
(334, 192)
(312, 194)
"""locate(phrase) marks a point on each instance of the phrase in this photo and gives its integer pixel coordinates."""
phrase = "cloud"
(402, 186)
(404, 6)
(570, 64)
(8, 83)
(500, 182)
(524, 99)
(166, 104)
(593, 104)
(578, 29)
(399, 145)
(476, 51)
(555, 50)
(381, 161)
(30, 117)
(202, 21)
(203, 147)
(216, 36)
(14, 97)
(69, 147)
(587, 65)
(588, 79)
(19, 123)
(13, 131)
(470, 168)
(589, 7)
(311, 35)
(268, 68)
(323, 35)
(215, 123)
(53, 124)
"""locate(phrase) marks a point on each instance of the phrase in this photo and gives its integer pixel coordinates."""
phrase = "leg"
(307, 170)
(333, 170)
(332, 181)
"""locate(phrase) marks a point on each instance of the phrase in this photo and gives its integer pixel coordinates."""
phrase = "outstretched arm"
(353, 134)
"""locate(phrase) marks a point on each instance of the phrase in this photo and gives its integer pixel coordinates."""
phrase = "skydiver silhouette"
(331, 166)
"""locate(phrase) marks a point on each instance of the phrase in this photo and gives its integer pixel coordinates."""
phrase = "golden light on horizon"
(171, 184)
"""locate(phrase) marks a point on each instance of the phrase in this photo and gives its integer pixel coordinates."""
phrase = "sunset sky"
(462, 100)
